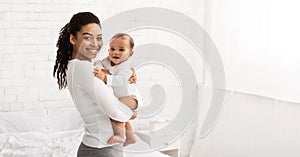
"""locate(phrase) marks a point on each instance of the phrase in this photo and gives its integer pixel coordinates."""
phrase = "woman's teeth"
(93, 50)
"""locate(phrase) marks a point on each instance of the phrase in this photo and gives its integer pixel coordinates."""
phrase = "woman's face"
(88, 42)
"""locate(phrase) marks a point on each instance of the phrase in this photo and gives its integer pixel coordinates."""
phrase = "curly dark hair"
(65, 48)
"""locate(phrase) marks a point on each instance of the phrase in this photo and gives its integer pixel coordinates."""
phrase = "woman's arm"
(100, 93)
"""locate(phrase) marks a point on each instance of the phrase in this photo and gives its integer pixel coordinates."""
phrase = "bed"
(46, 133)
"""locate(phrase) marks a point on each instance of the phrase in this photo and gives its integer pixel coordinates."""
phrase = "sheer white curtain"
(258, 41)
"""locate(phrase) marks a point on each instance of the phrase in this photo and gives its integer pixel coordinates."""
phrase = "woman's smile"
(93, 50)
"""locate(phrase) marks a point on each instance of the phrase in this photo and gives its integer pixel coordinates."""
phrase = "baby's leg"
(132, 104)
(129, 134)
(118, 128)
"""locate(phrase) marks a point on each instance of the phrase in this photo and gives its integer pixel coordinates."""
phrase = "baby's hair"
(123, 36)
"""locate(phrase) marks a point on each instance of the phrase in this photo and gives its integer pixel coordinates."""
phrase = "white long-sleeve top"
(95, 103)
(118, 79)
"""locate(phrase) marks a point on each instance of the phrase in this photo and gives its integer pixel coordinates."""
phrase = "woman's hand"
(101, 74)
(132, 78)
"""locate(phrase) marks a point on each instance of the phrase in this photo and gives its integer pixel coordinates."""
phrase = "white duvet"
(34, 144)
(45, 134)
(60, 144)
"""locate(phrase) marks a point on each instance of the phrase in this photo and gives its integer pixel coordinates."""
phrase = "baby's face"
(119, 50)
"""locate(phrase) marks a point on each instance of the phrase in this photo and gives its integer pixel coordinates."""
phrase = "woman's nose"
(94, 43)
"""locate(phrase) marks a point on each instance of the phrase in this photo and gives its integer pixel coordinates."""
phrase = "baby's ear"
(131, 53)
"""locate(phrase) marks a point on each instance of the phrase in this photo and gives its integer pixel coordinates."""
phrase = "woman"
(79, 42)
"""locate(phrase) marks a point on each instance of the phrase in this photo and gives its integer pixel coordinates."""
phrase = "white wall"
(240, 30)
(249, 126)
(29, 30)
(258, 42)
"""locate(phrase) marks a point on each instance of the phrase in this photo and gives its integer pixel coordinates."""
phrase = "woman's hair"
(124, 36)
(65, 48)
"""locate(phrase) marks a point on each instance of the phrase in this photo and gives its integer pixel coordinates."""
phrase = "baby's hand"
(132, 78)
(101, 74)
(106, 71)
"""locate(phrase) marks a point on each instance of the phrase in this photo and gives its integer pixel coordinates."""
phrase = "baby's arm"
(100, 71)
(101, 74)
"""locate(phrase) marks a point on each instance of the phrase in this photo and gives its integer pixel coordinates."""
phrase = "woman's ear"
(72, 39)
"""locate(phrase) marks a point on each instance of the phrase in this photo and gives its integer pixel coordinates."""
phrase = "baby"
(115, 70)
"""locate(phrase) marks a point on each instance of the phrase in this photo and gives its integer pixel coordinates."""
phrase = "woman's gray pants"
(113, 151)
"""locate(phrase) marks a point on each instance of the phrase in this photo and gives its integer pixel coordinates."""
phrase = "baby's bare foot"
(116, 139)
(129, 140)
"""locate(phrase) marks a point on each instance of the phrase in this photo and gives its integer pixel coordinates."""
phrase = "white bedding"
(59, 144)
(47, 133)
(37, 144)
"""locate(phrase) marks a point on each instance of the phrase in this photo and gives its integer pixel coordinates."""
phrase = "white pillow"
(63, 119)
(56, 144)
(28, 121)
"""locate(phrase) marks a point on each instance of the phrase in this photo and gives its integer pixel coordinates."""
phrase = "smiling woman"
(79, 42)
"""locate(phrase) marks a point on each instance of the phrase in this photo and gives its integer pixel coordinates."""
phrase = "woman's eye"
(87, 38)
(99, 38)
